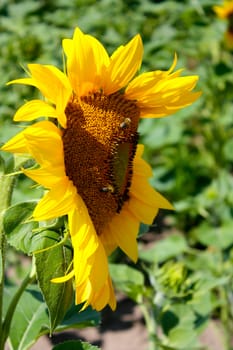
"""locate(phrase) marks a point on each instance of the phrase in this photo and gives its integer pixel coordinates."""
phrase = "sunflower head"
(88, 154)
(104, 129)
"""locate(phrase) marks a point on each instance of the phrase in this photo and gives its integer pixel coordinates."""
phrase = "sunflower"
(226, 12)
(90, 162)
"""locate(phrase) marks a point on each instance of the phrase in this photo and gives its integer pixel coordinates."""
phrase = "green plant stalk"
(225, 317)
(6, 187)
(150, 325)
(10, 312)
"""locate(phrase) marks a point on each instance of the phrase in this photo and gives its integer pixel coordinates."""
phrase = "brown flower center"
(99, 147)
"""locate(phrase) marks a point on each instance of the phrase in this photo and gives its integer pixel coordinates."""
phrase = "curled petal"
(63, 278)
(160, 93)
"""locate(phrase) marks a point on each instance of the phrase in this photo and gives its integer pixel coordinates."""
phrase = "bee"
(108, 188)
(126, 123)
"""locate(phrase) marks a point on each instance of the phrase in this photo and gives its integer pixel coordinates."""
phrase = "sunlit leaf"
(165, 249)
(183, 334)
(19, 231)
(128, 279)
(219, 237)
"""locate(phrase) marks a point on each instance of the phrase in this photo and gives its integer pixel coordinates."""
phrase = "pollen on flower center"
(99, 146)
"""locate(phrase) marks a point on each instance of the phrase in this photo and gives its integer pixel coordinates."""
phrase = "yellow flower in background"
(90, 161)
(225, 11)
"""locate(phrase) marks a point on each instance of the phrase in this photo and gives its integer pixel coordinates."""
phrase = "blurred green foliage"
(185, 279)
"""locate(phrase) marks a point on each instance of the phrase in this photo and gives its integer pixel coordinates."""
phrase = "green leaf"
(29, 318)
(219, 237)
(183, 335)
(53, 263)
(163, 250)
(76, 319)
(228, 150)
(75, 345)
(168, 320)
(18, 231)
(128, 279)
(143, 229)
(125, 273)
(25, 235)
(205, 261)
(202, 302)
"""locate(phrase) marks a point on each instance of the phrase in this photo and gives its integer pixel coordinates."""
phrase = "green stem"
(225, 316)
(6, 188)
(150, 325)
(10, 312)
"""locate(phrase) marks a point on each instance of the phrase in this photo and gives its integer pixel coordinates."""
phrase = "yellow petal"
(160, 93)
(99, 268)
(84, 240)
(143, 83)
(90, 260)
(124, 63)
(142, 191)
(124, 229)
(100, 299)
(59, 201)
(140, 166)
(112, 298)
(46, 177)
(86, 61)
(174, 106)
(79, 218)
(45, 144)
(97, 298)
(24, 81)
(16, 144)
(83, 294)
(93, 285)
(53, 84)
(108, 240)
(104, 296)
(63, 278)
(143, 211)
(33, 110)
(50, 80)
(99, 271)
(45, 129)
(144, 201)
